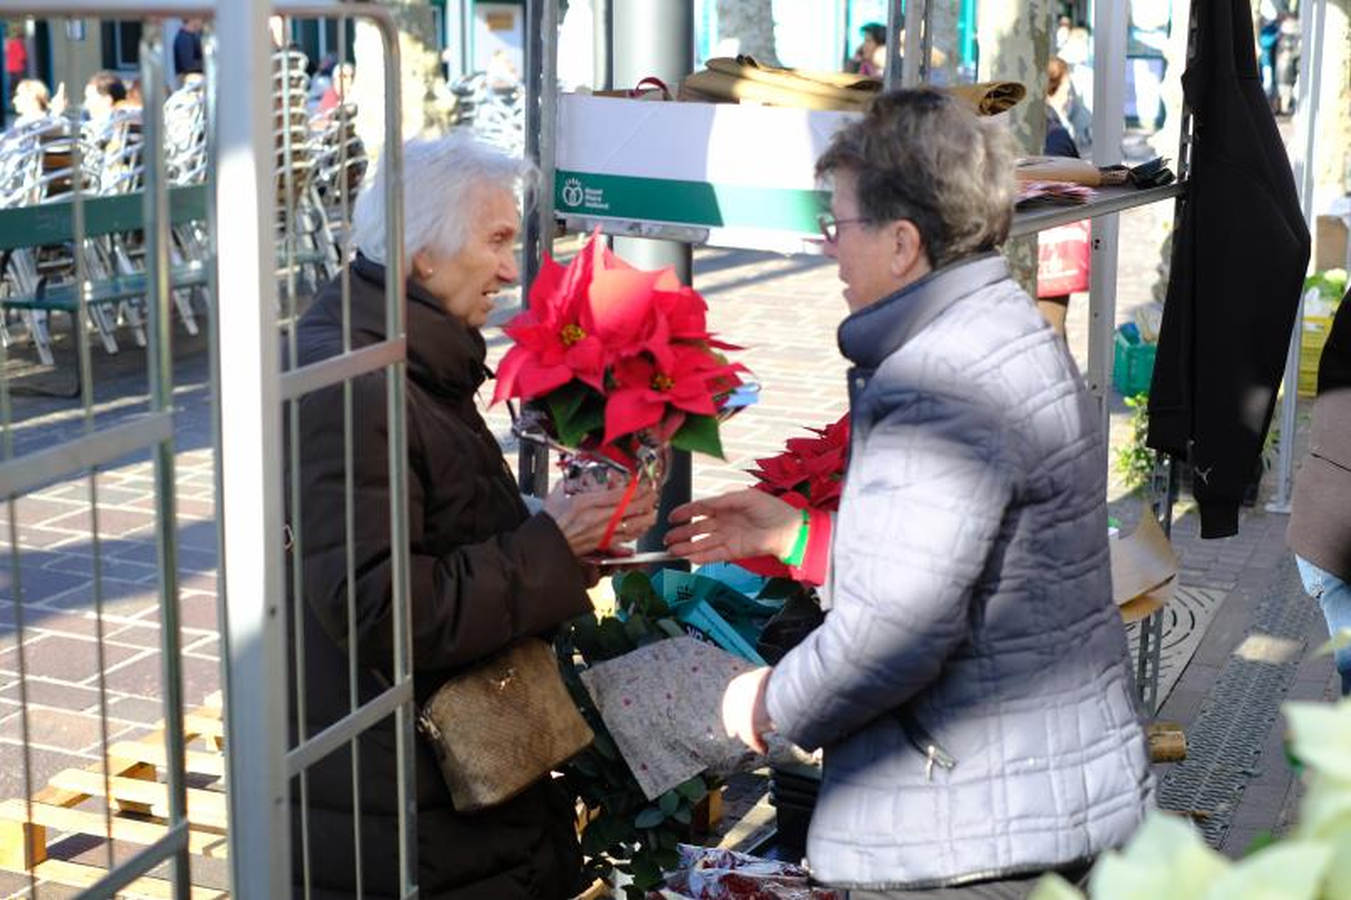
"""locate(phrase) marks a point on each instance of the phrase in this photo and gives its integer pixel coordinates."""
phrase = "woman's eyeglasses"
(830, 226)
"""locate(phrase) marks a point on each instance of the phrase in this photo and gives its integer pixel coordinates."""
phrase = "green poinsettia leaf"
(1053, 887)
(600, 833)
(649, 817)
(637, 629)
(634, 593)
(563, 402)
(1320, 735)
(590, 419)
(693, 790)
(586, 635)
(779, 589)
(668, 802)
(605, 746)
(1166, 858)
(666, 859)
(613, 640)
(577, 411)
(1288, 870)
(683, 815)
(585, 765)
(699, 434)
(646, 872)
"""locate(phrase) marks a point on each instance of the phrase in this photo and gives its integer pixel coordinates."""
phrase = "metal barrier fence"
(116, 229)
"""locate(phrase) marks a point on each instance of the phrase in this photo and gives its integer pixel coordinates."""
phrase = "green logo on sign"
(572, 192)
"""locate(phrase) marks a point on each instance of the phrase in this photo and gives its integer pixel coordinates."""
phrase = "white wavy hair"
(439, 176)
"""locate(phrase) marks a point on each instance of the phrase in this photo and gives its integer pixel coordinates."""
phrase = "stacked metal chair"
(340, 162)
(494, 112)
(47, 159)
(304, 243)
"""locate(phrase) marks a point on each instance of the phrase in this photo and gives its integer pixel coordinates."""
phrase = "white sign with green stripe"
(730, 168)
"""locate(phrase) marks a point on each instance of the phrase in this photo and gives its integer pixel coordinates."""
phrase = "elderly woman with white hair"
(484, 572)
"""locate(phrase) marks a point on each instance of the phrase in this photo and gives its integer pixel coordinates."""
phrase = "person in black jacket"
(483, 572)
(1239, 258)
(188, 50)
(1320, 511)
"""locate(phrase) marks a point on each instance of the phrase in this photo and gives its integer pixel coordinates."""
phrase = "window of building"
(122, 45)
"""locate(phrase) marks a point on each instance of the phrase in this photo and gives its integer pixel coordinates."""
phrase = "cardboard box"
(734, 175)
(1329, 243)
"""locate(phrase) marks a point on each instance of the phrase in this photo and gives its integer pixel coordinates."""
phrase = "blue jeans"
(1334, 595)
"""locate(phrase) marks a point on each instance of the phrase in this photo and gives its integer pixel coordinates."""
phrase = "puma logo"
(1204, 474)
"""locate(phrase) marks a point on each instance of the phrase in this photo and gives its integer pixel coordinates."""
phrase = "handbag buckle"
(428, 728)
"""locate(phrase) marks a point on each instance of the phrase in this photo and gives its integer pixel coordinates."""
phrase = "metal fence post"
(251, 511)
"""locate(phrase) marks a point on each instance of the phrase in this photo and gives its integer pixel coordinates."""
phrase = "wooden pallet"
(139, 802)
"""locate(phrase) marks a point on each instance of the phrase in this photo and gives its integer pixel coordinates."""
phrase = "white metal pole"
(1313, 16)
(1109, 102)
(250, 506)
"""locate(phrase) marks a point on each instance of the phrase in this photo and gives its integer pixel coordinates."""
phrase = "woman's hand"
(583, 518)
(734, 526)
(744, 714)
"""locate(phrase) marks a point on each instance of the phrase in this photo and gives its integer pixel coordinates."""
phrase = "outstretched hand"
(583, 518)
(733, 526)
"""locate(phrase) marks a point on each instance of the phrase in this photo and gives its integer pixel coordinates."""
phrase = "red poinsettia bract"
(606, 344)
(810, 471)
(808, 474)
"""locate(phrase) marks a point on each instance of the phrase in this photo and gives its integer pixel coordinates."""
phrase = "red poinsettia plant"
(810, 471)
(808, 474)
(618, 358)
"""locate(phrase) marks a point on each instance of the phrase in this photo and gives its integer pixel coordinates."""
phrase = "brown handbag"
(503, 725)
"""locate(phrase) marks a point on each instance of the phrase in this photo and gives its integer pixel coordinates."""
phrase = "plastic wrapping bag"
(712, 873)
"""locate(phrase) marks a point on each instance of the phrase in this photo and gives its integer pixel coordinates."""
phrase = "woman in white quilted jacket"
(970, 683)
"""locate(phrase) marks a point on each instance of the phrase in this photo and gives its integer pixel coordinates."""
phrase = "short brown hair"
(109, 85)
(923, 156)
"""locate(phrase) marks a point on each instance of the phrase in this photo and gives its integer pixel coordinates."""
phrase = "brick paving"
(783, 310)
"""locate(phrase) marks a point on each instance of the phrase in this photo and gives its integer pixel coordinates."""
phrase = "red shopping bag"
(1062, 260)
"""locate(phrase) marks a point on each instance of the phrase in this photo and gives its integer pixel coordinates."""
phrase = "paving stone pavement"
(783, 310)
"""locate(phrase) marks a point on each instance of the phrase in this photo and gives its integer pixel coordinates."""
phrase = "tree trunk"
(1015, 45)
(751, 24)
(422, 112)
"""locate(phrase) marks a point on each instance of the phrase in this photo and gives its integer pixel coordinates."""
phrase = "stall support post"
(1312, 18)
(1109, 49)
(541, 125)
(603, 45)
(656, 38)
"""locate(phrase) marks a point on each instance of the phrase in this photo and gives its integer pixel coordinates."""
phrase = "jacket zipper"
(934, 753)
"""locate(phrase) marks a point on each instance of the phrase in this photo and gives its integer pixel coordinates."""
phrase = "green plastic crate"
(1132, 365)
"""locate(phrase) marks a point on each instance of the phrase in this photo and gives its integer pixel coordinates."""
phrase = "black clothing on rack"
(1239, 256)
